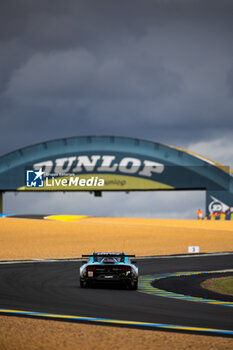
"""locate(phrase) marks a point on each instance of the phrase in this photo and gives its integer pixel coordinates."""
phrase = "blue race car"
(109, 267)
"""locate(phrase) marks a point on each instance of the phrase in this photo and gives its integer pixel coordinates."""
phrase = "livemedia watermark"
(38, 179)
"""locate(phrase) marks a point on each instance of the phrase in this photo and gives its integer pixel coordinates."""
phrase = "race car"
(109, 267)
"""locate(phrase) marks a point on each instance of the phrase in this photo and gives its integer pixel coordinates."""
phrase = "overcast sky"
(160, 70)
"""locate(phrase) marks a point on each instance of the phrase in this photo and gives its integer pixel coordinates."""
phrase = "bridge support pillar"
(1, 202)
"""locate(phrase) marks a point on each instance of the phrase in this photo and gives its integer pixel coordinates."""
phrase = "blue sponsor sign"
(35, 178)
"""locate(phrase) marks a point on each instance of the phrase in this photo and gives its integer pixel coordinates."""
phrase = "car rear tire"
(134, 285)
(83, 284)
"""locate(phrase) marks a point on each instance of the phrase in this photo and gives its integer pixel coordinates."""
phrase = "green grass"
(223, 285)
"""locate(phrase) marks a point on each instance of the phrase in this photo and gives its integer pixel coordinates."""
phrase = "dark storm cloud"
(159, 70)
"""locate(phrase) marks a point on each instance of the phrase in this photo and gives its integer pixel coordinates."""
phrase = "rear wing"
(95, 256)
(106, 254)
(86, 257)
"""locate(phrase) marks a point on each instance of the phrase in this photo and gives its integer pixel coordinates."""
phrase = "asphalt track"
(53, 288)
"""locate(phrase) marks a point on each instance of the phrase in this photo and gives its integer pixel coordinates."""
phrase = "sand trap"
(30, 334)
(30, 238)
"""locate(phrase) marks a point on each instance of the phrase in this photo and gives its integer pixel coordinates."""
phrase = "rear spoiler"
(96, 254)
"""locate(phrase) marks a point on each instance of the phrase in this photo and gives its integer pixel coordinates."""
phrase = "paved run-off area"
(29, 239)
